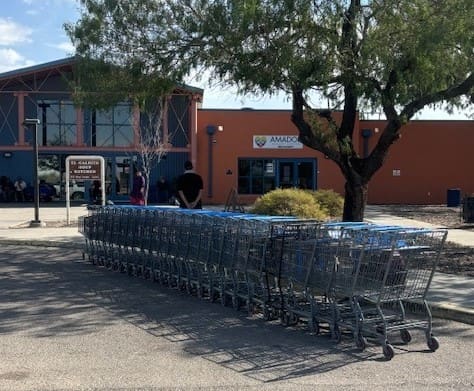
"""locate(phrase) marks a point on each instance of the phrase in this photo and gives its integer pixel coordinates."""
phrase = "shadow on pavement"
(52, 292)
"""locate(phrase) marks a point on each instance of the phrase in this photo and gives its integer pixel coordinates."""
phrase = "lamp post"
(33, 123)
(211, 130)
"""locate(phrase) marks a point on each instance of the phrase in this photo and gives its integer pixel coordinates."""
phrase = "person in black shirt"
(189, 187)
(162, 188)
(96, 192)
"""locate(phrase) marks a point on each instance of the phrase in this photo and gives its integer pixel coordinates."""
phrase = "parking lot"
(66, 324)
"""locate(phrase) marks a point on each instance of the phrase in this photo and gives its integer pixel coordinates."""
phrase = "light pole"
(211, 130)
(33, 123)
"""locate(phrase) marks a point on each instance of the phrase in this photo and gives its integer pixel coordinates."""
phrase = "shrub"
(330, 201)
(289, 202)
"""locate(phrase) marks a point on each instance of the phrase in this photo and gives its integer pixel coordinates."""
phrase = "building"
(251, 151)
(43, 92)
(256, 150)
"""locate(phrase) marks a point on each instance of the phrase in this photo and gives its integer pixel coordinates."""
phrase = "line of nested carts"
(353, 279)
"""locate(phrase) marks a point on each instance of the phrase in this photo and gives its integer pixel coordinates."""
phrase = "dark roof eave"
(189, 89)
(69, 61)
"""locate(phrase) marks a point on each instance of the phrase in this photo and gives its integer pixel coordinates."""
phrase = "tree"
(398, 56)
(152, 145)
(100, 85)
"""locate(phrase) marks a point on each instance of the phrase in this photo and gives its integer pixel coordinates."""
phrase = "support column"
(164, 121)
(193, 129)
(80, 126)
(20, 96)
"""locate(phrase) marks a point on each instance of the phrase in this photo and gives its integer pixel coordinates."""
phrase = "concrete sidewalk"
(450, 296)
(376, 214)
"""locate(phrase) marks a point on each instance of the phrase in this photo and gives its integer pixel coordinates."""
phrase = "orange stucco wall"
(236, 140)
(431, 156)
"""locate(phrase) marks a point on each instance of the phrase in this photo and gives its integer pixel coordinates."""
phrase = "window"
(256, 176)
(52, 176)
(58, 118)
(112, 127)
(122, 175)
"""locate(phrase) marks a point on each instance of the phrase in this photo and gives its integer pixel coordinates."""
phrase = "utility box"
(468, 209)
(453, 197)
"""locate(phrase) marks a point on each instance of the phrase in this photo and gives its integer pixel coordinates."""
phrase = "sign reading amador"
(82, 169)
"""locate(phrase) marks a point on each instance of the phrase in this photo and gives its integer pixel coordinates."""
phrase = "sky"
(31, 33)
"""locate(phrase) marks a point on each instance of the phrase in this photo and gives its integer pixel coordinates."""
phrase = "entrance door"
(305, 174)
(296, 174)
(123, 166)
(286, 174)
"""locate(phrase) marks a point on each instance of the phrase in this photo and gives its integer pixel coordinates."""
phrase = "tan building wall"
(430, 157)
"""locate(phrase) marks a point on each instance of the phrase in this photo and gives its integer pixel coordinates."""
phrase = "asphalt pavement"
(450, 296)
(67, 325)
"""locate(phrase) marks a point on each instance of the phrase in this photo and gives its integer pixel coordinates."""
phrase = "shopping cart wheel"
(267, 314)
(433, 343)
(405, 336)
(189, 288)
(250, 308)
(235, 303)
(286, 319)
(213, 295)
(337, 334)
(388, 351)
(200, 292)
(361, 342)
(313, 326)
(223, 299)
(292, 319)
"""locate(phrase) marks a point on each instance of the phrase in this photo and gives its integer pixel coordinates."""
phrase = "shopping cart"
(351, 278)
(379, 270)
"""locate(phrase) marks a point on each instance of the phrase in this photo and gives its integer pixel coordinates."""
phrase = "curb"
(452, 312)
(42, 243)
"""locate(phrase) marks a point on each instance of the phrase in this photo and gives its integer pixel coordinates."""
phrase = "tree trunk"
(354, 201)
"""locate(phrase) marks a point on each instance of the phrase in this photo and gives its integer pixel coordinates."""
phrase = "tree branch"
(308, 136)
(464, 88)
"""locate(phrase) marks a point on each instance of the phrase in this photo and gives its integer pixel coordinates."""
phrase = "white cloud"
(66, 46)
(32, 12)
(12, 32)
(48, 3)
(10, 60)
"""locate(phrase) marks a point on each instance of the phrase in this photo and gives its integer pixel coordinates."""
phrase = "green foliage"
(289, 202)
(397, 56)
(329, 201)
(100, 85)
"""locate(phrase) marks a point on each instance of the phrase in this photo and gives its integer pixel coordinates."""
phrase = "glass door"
(122, 175)
(305, 175)
(286, 174)
(297, 174)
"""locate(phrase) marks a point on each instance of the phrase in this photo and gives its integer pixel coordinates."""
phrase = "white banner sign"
(277, 142)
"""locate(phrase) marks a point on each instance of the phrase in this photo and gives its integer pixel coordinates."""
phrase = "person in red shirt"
(137, 196)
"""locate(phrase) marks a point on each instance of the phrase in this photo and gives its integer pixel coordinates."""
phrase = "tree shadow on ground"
(53, 292)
